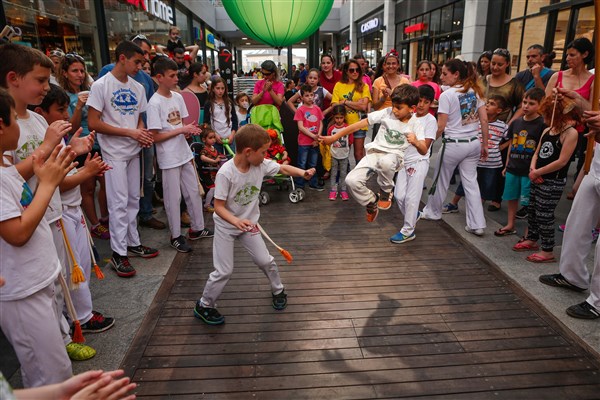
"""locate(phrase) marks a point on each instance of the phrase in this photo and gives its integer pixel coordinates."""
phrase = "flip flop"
(505, 232)
(522, 246)
(536, 258)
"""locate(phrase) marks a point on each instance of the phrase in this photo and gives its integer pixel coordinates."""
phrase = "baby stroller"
(267, 116)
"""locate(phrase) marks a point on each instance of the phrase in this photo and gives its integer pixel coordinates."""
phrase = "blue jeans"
(147, 160)
(307, 158)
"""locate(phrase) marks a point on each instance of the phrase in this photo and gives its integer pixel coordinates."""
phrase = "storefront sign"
(370, 25)
(156, 8)
(415, 28)
(210, 39)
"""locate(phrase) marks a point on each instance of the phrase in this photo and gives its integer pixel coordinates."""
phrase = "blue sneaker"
(401, 238)
(449, 209)
(209, 316)
(419, 215)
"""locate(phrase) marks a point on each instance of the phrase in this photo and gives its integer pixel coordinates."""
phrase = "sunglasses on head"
(502, 52)
(74, 56)
(57, 53)
(353, 70)
(141, 37)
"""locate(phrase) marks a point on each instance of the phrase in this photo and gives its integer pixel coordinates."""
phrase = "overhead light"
(303, 43)
(244, 38)
(248, 43)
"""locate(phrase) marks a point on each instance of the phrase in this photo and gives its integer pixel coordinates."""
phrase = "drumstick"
(286, 254)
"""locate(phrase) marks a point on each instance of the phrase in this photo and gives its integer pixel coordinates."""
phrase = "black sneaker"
(209, 316)
(584, 311)
(280, 300)
(204, 233)
(559, 281)
(180, 245)
(318, 188)
(122, 266)
(98, 323)
(522, 213)
(142, 251)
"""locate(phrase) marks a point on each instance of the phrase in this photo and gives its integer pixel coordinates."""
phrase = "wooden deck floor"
(366, 319)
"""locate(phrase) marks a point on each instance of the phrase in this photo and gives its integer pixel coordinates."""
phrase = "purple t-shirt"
(266, 97)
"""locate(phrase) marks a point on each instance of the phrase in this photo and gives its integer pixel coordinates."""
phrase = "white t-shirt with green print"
(240, 190)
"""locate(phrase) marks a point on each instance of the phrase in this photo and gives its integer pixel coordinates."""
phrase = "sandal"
(505, 232)
(522, 246)
(538, 258)
(80, 352)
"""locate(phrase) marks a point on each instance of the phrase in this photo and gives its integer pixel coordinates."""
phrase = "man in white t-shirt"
(166, 111)
(116, 103)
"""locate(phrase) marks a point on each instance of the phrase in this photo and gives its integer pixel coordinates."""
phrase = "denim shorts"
(517, 188)
(360, 134)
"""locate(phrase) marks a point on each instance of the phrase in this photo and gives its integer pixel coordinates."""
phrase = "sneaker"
(186, 221)
(559, 281)
(122, 266)
(584, 311)
(332, 195)
(522, 213)
(142, 251)
(561, 228)
(204, 233)
(100, 231)
(345, 196)
(595, 234)
(180, 245)
(385, 201)
(449, 209)
(419, 216)
(373, 209)
(401, 238)
(79, 351)
(153, 223)
(318, 188)
(98, 323)
(476, 232)
(209, 316)
(280, 300)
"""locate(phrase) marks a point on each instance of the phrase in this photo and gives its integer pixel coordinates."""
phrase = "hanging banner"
(226, 67)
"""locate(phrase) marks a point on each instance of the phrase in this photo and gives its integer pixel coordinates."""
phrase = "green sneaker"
(79, 351)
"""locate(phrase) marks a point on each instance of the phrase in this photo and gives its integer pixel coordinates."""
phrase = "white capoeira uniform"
(410, 178)
(461, 147)
(121, 105)
(577, 238)
(240, 192)
(385, 155)
(175, 161)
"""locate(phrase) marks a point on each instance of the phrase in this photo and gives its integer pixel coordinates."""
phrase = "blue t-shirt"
(73, 99)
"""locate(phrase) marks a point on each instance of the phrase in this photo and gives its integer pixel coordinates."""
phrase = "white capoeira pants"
(465, 156)
(75, 228)
(177, 181)
(31, 325)
(223, 261)
(577, 239)
(408, 191)
(384, 165)
(123, 196)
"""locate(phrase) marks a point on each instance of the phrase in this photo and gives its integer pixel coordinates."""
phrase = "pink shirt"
(266, 97)
(311, 117)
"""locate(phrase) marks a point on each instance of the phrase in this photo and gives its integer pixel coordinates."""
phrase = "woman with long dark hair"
(461, 115)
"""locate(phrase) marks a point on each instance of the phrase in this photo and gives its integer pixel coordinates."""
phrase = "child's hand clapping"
(53, 171)
(58, 130)
(192, 130)
(309, 173)
(82, 145)
(95, 165)
(142, 136)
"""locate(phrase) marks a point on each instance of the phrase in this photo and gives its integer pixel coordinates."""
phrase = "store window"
(183, 25)
(534, 6)
(518, 9)
(50, 24)
(585, 23)
(535, 32)
(560, 36)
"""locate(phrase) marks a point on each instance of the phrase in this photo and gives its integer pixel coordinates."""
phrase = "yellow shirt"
(344, 91)
(380, 84)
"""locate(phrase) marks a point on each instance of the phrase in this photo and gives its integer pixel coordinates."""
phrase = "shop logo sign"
(156, 8)
(369, 25)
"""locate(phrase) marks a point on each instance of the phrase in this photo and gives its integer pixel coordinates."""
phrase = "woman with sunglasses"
(73, 77)
(500, 82)
(352, 92)
(268, 90)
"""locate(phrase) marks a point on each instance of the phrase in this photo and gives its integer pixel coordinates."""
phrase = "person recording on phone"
(536, 74)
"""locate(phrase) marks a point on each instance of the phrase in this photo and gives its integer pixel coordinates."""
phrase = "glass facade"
(52, 24)
(435, 35)
(551, 23)
(370, 38)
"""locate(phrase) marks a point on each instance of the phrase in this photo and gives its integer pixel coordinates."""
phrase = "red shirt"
(329, 84)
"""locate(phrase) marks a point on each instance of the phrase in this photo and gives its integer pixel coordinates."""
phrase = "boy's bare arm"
(363, 123)
(17, 231)
(294, 171)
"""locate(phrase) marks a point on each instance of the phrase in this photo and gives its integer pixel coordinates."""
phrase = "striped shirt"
(498, 133)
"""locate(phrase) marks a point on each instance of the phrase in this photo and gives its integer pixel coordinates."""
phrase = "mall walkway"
(366, 319)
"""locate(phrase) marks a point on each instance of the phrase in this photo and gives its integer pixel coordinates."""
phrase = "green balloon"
(278, 23)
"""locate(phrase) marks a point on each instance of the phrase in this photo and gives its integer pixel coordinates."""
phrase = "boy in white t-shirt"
(29, 261)
(236, 215)
(385, 154)
(166, 111)
(409, 182)
(115, 106)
